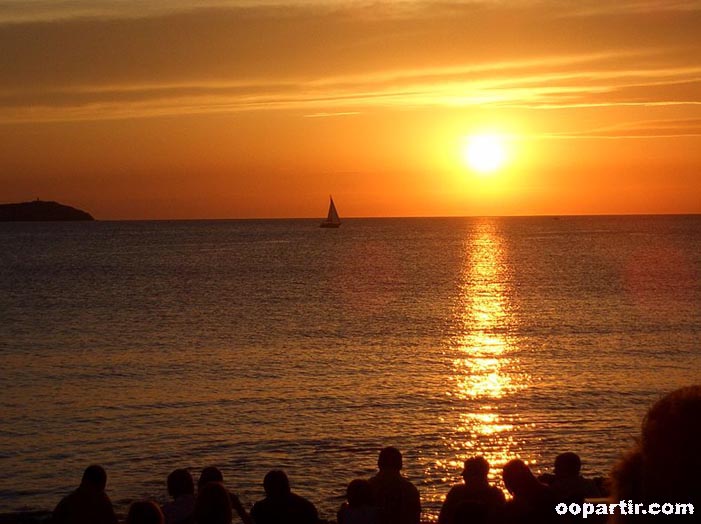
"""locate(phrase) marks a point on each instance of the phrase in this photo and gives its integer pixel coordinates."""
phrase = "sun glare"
(484, 153)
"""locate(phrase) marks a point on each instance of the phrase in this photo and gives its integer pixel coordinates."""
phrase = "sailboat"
(332, 219)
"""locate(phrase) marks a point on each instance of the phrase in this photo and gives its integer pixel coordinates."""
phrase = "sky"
(253, 109)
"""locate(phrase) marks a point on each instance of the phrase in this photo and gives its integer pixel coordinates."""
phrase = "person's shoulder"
(496, 494)
(408, 484)
(304, 508)
(66, 499)
(457, 490)
(259, 506)
(104, 498)
(63, 507)
(175, 510)
(298, 499)
(73, 499)
(548, 494)
(380, 481)
(106, 508)
(495, 490)
(589, 487)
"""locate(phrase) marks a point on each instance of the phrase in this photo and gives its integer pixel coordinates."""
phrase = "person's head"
(145, 512)
(567, 465)
(390, 459)
(276, 484)
(476, 470)
(359, 493)
(671, 436)
(209, 474)
(213, 504)
(180, 483)
(666, 464)
(517, 476)
(94, 477)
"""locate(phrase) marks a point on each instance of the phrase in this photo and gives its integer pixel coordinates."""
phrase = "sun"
(484, 154)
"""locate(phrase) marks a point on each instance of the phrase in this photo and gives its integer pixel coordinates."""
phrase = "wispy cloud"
(495, 87)
(622, 7)
(646, 129)
(330, 115)
(337, 60)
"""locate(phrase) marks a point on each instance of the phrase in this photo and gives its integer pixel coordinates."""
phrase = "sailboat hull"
(329, 225)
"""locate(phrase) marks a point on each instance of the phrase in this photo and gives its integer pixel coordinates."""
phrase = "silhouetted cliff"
(41, 210)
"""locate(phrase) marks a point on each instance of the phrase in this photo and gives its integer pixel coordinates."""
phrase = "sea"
(254, 345)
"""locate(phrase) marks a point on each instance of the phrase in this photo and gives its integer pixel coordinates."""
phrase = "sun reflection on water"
(484, 362)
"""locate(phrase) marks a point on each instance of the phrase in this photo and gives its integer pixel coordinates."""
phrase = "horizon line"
(553, 215)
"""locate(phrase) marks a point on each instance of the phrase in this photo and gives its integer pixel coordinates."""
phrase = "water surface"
(252, 345)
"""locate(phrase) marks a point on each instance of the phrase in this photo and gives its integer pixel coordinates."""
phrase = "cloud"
(661, 128)
(643, 7)
(22, 11)
(328, 115)
(327, 59)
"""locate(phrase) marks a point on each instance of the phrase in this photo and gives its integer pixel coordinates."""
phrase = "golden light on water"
(481, 358)
(486, 423)
(485, 366)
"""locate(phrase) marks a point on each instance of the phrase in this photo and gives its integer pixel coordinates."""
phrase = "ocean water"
(253, 345)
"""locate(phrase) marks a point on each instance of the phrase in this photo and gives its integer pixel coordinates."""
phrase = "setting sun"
(484, 153)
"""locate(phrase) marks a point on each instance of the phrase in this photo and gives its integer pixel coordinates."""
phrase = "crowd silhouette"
(663, 466)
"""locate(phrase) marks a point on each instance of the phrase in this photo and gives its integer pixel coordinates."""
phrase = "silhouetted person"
(213, 474)
(213, 504)
(360, 506)
(665, 466)
(182, 488)
(145, 512)
(280, 505)
(569, 486)
(396, 497)
(533, 502)
(209, 474)
(472, 512)
(89, 504)
(475, 489)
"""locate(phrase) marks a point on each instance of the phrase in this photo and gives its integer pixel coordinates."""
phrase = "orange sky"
(223, 109)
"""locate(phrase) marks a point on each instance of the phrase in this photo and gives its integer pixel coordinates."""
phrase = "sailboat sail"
(332, 220)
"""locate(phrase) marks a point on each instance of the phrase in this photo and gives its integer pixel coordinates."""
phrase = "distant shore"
(40, 211)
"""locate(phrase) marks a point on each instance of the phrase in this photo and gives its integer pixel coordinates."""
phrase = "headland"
(41, 210)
